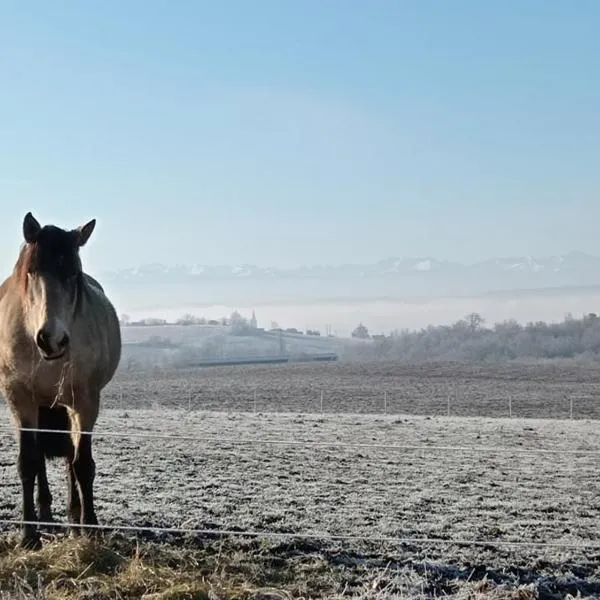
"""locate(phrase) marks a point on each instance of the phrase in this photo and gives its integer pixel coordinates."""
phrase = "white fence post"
(510, 406)
(321, 401)
(571, 407)
(385, 402)
(255, 411)
(448, 405)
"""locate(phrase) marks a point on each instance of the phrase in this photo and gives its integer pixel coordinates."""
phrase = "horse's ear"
(31, 228)
(84, 232)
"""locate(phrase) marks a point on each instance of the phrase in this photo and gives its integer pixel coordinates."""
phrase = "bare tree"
(475, 321)
(361, 332)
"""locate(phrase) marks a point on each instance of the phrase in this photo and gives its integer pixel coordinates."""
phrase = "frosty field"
(352, 471)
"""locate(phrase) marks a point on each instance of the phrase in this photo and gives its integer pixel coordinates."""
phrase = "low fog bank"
(496, 328)
(387, 316)
(467, 340)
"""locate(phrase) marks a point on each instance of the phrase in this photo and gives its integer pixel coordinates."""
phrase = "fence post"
(448, 407)
(255, 402)
(510, 406)
(571, 407)
(189, 399)
(121, 397)
(321, 401)
(385, 402)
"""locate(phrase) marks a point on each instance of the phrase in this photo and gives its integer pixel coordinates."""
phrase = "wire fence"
(332, 444)
(196, 438)
(404, 452)
(328, 402)
(309, 535)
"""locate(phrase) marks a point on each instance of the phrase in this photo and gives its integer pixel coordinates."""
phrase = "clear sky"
(316, 131)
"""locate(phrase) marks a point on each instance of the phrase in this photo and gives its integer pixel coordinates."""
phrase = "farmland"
(379, 458)
(535, 390)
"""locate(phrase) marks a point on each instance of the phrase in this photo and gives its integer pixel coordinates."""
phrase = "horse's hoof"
(74, 532)
(31, 542)
(92, 533)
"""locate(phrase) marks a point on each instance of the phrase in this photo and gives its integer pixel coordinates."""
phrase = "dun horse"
(60, 344)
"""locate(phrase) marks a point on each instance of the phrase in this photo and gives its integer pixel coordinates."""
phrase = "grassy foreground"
(120, 567)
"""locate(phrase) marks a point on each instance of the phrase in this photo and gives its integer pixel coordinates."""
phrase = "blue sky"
(321, 131)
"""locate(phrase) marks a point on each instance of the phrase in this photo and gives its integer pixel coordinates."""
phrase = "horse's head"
(51, 278)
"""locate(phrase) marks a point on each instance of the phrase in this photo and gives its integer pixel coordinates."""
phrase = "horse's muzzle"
(47, 349)
(51, 357)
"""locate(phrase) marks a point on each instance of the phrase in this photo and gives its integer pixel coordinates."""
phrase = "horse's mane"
(23, 265)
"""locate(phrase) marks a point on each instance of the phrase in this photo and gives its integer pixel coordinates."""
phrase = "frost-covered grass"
(288, 472)
(230, 479)
(473, 389)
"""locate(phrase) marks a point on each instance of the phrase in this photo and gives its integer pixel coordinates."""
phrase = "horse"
(60, 345)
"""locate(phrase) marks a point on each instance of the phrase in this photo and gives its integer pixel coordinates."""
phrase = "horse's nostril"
(42, 340)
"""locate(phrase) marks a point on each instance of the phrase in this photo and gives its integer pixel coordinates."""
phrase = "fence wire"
(311, 536)
(316, 443)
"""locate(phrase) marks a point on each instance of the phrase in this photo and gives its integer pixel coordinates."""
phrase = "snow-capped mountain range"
(557, 268)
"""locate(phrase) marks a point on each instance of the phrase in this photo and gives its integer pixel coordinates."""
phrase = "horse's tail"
(54, 444)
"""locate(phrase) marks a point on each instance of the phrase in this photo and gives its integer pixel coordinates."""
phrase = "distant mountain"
(390, 278)
(574, 262)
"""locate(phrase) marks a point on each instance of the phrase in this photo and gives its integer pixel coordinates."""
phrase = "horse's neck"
(5, 286)
(88, 280)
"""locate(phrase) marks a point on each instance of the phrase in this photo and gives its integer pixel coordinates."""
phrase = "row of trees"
(238, 324)
(186, 319)
(235, 319)
(470, 339)
(467, 339)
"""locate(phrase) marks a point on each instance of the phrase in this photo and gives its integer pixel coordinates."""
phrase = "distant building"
(253, 321)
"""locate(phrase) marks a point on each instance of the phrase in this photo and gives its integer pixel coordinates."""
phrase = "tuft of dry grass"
(95, 570)
(119, 567)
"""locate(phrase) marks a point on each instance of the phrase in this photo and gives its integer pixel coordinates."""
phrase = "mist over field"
(395, 293)
(387, 315)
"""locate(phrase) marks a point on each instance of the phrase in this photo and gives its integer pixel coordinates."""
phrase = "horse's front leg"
(28, 466)
(44, 497)
(73, 499)
(83, 419)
